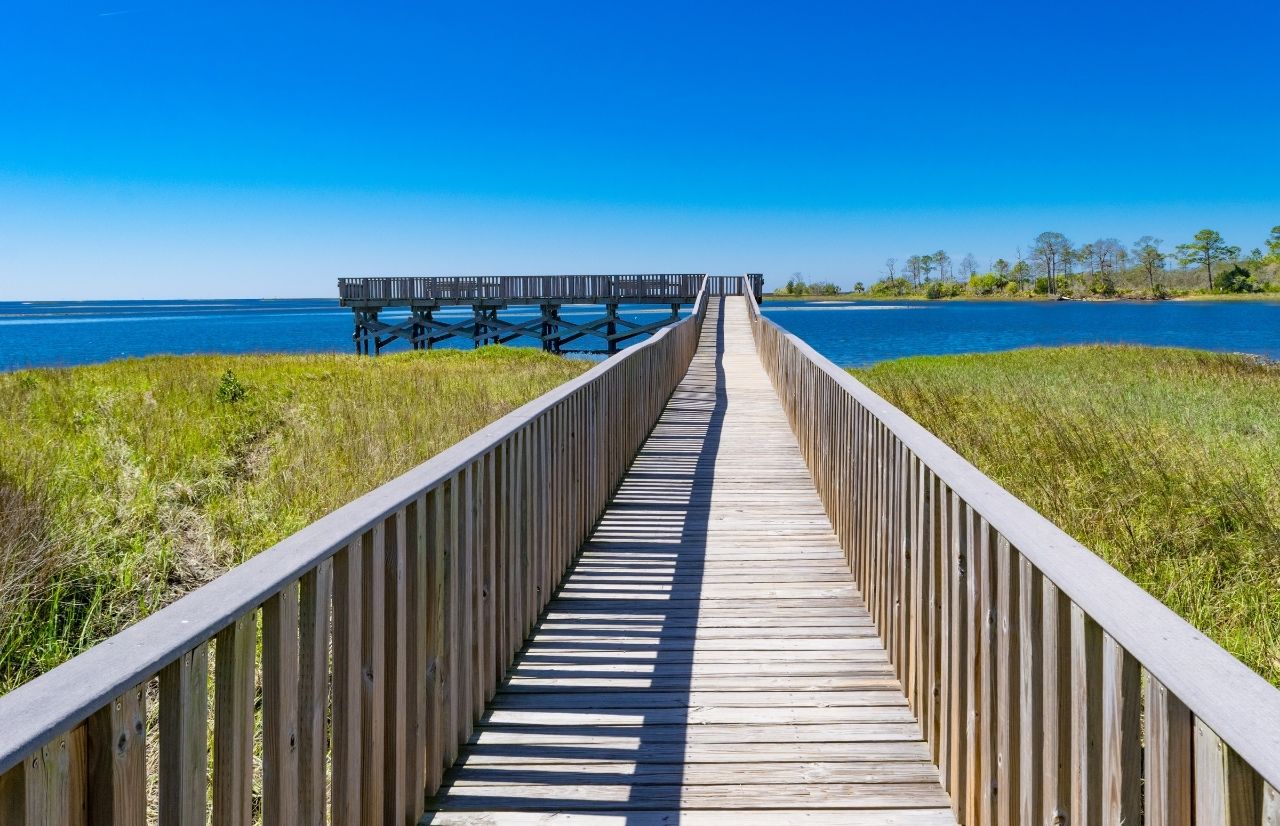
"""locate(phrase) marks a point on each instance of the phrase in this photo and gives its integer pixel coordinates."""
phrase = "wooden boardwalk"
(708, 659)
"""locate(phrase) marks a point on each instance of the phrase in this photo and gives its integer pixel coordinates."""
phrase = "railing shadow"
(595, 713)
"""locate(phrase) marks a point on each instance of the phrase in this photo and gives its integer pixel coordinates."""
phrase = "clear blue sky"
(154, 150)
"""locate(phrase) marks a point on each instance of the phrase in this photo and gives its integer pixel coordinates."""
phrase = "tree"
(1050, 251)
(1273, 245)
(1104, 257)
(1085, 254)
(1206, 249)
(1022, 273)
(1147, 250)
(919, 267)
(891, 267)
(913, 268)
(796, 285)
(1001, 268)
(968, 266)
(943, 262)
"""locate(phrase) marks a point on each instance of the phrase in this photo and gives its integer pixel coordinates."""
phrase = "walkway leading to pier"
(708, 659)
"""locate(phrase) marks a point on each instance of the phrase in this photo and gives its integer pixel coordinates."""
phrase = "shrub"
(1102, 284)
(1236, 280)
(985, 284)
(891, 286)
(230, 390)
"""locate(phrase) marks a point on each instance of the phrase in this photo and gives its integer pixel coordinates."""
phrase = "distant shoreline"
(865, 297)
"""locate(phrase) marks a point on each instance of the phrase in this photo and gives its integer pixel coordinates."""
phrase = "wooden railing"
(528, 289)
(385, 627)
(1052, 690)
(736, 284)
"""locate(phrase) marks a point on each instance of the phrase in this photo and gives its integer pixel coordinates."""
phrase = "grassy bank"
(1165, 462)
(126, 484)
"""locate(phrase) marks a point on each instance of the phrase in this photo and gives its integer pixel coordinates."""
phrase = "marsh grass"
(125, 485)
(1165, 462)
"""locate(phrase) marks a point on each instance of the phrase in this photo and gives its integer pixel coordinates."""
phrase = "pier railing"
(736, 285)
(376, 634)
(679, 288)
(1051, 688)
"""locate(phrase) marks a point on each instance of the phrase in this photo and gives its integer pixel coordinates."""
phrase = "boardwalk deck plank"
(709, 657)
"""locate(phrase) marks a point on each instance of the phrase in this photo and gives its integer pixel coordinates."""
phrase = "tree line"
(1054, 266)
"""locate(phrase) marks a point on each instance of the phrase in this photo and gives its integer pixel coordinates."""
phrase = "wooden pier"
(713, 580)
(708, 651)
(487, 296)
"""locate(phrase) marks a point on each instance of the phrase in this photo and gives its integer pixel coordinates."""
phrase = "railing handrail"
(1240, 706)
(520, 287)
(39, 710)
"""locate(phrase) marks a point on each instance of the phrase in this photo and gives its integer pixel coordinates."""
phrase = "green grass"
(1165, 462)
(124, 485)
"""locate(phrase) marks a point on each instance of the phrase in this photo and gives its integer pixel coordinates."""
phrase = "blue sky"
(200, 150)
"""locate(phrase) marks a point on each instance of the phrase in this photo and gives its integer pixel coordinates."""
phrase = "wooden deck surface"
(708, 659)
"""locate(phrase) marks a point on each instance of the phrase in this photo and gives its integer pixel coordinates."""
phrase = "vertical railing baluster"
(395, 688)
(348, 683)
(313, 690)
(373, 671)
(280, 708)
(117, 768)
(1086, 717)
(1167, 779)
(1121, 735)
(184, 753)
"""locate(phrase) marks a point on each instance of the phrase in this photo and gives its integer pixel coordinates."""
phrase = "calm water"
(38, 334)
(860, 333)
(63, 333)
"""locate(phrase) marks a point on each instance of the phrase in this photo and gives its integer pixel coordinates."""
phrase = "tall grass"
(126, 484)
(1165, 462)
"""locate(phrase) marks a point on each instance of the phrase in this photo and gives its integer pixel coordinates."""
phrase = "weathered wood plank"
(695, 817)
(1121, 736)
(117, 769)
(348, 683)
(315, 589)
(1168, 789)
(235, 665)
(373, 653)
(280, 787)
(184, 753)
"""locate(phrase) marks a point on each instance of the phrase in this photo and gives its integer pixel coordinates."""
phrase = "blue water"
(862, 333)
(42, 334)
(65, 333)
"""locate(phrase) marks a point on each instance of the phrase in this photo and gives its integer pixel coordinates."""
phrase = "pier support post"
(415, 332)
(482, 331)
(611, 328)
(365, 319)
(551, 328)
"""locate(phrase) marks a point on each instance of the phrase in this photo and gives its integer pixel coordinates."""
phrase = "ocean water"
(47, 334)
(863, 333)
(37, 334)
